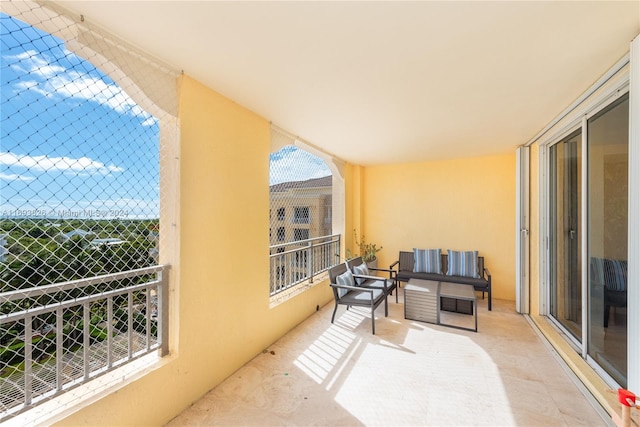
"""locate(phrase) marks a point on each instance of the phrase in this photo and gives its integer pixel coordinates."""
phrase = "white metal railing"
(294, 262)
(56, 337)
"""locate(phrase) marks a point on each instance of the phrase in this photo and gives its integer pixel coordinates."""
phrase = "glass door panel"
(564, 245)
(608, 153)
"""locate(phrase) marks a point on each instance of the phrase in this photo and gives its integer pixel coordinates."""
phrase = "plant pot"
(373, 264)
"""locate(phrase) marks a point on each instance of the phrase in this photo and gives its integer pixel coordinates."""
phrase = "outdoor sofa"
(433, 264)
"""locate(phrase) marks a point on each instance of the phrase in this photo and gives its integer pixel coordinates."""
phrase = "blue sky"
(73, 144)
(293, 164)
(70, 139)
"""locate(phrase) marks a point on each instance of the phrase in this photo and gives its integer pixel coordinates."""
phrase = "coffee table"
(458, 292)
(423, 301)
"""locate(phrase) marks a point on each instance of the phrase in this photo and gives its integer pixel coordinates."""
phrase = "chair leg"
(334, 312)
(373, 319)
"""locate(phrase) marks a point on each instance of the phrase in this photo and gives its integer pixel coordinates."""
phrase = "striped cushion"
(615, 274)
(611, 273)
(345, 279)
(597, 271)
(426, 261)
(463, 263)
(361, 270)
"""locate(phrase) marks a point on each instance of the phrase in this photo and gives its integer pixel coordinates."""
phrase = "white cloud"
(14, 177)
(48, 164)
(52, 80)
(294, 164)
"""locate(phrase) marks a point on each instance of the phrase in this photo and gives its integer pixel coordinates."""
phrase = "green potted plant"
(368, 251)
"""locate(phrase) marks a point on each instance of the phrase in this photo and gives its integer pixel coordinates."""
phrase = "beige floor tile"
(409, 374)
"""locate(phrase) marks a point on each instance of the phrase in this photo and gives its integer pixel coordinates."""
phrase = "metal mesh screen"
(80, 166)
(300, 217)
(79, 212)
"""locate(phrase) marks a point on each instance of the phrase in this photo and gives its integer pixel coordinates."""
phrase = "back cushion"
(463, 263)
(360, 270)
(615, 274)
(345, 279)
(426, 261)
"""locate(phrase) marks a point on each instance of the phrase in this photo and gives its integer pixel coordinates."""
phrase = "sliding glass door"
(564, 233)
(608, 153)
(588, 193)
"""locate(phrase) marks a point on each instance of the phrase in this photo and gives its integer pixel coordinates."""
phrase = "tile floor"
(409, 374)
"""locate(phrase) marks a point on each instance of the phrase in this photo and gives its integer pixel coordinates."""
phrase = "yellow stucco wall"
(223, 313)
(462, 204)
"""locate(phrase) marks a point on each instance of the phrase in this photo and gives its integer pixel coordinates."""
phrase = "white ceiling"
(386, 82)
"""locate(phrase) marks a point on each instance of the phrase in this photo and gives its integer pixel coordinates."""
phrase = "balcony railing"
(56, 337)
(302, 260)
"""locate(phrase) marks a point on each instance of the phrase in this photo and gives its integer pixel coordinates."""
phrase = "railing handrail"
(79, 283)
(333, 238)
(47, 308)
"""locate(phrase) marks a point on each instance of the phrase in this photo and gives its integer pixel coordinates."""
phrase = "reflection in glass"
(608, 152)
(564, 244)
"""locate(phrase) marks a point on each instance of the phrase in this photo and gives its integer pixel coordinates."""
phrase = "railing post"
(310, 271)
(28, 360)
(86, 337)
(163, 314)
(59, 348)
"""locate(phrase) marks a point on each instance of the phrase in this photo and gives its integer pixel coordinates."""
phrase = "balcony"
(433, 166)
(409, 373)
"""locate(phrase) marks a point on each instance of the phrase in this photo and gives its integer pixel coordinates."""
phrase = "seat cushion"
(378, 284)
(405, 275)
(362, 297)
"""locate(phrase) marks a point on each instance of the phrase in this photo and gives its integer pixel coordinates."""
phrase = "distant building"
(300, 210)
(3, 247)
(77, 232)
(108, 241)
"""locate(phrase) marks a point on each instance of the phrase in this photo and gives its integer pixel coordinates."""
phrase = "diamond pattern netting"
(80, 166)
(300, 209)
(79, 198)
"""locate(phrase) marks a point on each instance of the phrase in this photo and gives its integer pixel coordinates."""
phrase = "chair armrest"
(487, 272)
(394, 264)
(388, 270)
(355, 288)
(352, 288)
(375, 278)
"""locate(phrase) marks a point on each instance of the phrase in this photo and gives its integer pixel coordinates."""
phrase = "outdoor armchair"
(346, 292)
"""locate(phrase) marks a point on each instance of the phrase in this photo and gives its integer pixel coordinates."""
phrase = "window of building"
(281, 213)
(301, 215)
(300, 234)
